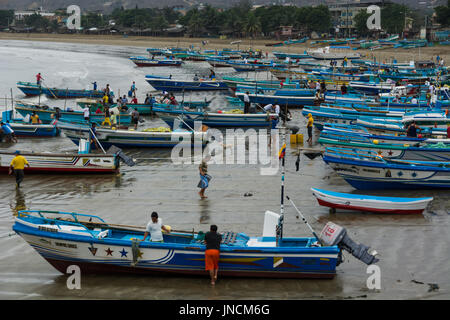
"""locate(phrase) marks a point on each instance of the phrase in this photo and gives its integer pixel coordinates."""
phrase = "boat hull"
(69, 244)
(373, 175)
(130, 139)
(373, 204)
(63, 163)
(30, 89)
(179, 86)
(48, 115)
(218, 120)
(33, 130)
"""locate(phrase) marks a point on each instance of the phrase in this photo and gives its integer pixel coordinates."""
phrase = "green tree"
(443, 14)
(37, 21)
(319, 19)
(393, 17)
(252, 25)
(361, 23)
(6, 17)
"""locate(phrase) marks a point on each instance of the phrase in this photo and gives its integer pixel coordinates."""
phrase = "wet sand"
(414, 250)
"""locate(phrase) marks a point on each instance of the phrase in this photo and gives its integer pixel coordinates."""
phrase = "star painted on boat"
(390, 153)
(139, 253)
(414, 174)
(123, 253)
(400, 173)
(109, 252)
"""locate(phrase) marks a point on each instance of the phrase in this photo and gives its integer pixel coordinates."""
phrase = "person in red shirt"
(39, 79)
(134, 100)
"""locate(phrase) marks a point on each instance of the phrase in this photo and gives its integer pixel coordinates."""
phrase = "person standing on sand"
(309, 126)
(212, 252)
(204, 179)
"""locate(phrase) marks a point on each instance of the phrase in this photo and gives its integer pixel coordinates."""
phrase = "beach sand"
(385, 55)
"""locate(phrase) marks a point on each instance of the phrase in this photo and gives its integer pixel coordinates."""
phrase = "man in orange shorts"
(212, 253)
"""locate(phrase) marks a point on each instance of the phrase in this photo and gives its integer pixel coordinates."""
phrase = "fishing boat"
(425, 151)
(217, 119)
(33, 89)
(96, 246)
(47, 114)
(173, 85)
(147, 138)
(366, 203)
(294, 56)
(26, 129)
(366, 170)
(233, 82)
(49, 162)
(327, 54)
(280, 97)
(398, 138)
(147, 62)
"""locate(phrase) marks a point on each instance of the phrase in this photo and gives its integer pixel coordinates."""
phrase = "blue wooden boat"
(233, 82)
(280, 99)
(147, 62)
(399, 138)
(96, 246)
(366, 203)
(247, 67)
(32, 89)
(170, 115)
(294, 56)
(26, 129)
(47, 115)
(366, 170)
(149, 138)
(172, 85)
(419, 151)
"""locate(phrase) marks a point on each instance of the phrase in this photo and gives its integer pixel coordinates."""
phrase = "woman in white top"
(154, 229)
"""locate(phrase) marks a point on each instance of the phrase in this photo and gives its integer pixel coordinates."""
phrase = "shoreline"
(402, 55)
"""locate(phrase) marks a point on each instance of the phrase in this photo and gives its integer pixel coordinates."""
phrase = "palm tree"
(252, 25)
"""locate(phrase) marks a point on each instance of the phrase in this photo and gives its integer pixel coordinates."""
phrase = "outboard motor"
(332, 235)
(122, 156)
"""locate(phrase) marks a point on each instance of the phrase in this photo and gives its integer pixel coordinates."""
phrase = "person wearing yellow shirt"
(18, 164)
(309, 126)
(34, 118)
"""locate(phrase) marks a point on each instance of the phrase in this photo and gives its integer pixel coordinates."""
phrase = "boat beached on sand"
(376, 204)
(96, 246)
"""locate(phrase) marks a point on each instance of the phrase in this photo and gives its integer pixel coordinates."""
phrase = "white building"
(20, 15)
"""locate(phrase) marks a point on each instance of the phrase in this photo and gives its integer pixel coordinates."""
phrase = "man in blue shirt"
(8, 132)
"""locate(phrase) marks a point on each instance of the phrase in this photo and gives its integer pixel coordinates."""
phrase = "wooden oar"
(50, 90)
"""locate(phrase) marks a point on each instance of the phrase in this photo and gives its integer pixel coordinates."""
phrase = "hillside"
(109, 5)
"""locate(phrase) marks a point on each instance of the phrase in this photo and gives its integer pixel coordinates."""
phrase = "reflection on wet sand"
(19, 203)
(204, 211)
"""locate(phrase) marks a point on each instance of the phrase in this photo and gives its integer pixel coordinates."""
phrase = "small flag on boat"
(282, 152)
